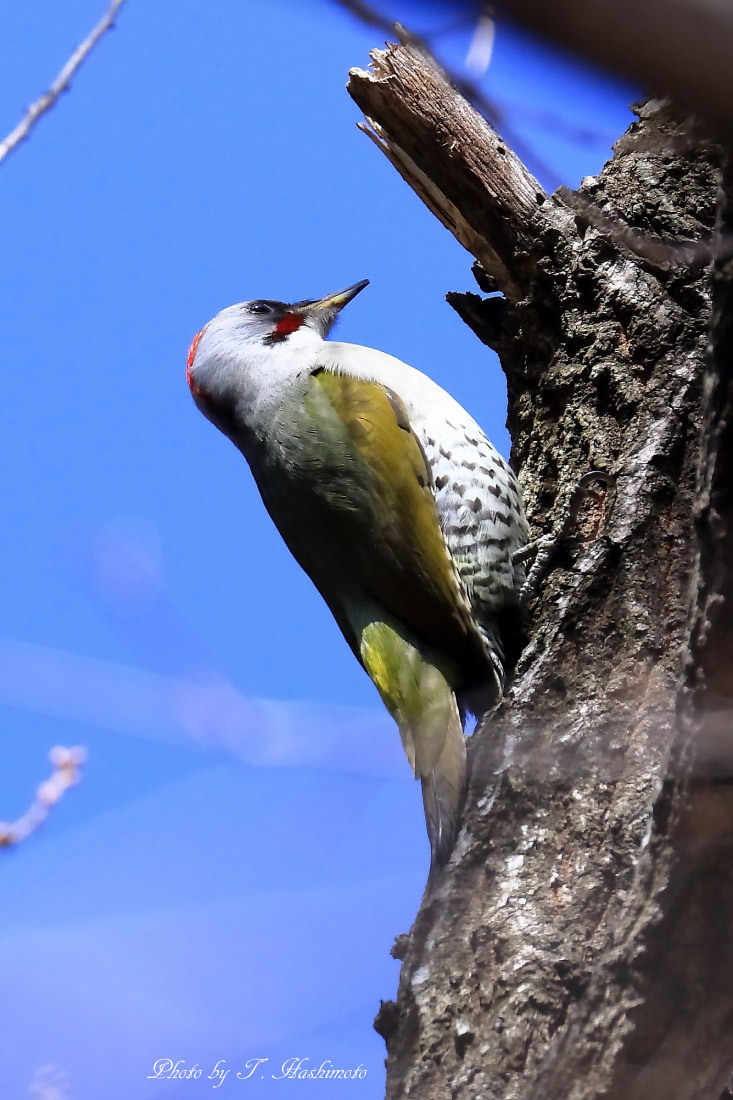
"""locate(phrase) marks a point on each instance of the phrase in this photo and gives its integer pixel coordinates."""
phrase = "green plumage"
(346, 482)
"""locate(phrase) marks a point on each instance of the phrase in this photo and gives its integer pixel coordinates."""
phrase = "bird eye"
(259, 307)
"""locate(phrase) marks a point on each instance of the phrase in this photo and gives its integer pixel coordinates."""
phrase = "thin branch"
(60, 84)
(67, 766)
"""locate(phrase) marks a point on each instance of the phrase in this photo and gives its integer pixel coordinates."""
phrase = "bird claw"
(540, 550)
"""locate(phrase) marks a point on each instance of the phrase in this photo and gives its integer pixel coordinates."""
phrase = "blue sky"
(228, 878)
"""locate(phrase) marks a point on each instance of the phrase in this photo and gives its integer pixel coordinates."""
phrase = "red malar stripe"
(291, 322)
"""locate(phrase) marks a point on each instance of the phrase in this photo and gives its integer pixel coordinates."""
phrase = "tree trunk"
(579, 943)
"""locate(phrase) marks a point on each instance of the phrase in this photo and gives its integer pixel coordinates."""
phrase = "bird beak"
(323, 312)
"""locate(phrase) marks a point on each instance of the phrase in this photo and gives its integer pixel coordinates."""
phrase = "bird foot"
(541, 550)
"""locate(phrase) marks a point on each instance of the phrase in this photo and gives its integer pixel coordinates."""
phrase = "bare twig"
(60, 84)
(67, 765)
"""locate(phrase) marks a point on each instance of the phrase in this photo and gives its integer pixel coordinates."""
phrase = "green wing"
(345, 480)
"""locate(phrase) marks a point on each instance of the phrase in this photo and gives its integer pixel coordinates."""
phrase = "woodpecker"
(393, 501)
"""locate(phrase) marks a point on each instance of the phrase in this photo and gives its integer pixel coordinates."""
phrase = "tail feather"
(418, 694)
(443, 790)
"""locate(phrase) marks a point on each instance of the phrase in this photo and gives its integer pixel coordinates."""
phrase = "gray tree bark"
(579, 943)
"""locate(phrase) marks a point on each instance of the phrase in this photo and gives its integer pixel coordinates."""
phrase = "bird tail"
(443, 789)
(418, 694)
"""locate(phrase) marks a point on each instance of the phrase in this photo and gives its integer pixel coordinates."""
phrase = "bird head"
(249, 329)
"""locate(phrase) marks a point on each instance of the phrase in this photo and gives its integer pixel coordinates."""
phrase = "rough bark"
(578, 944)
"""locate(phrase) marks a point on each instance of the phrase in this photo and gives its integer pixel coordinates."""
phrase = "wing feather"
(357, 510)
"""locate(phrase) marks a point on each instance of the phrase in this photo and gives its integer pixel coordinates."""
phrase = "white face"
(224, 349)
(250, 348)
